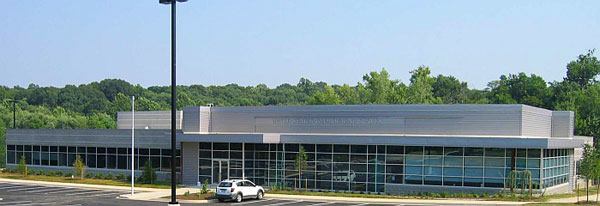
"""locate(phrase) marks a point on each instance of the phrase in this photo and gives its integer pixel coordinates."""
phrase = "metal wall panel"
(563, 123)
(89, 137)
(373, 119)
(149, 119)
(190, 163)
(536, 122)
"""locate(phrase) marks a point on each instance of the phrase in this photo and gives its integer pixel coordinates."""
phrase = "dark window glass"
(221, 154)
(473, 182)
(453, 151)
(398, 169)
(10, 147)
(292, 147)
(154, 151)
(414, 150)
(358, 148)
(290, 156)
(206, 145)
(221, 146)
(358, 158)
(111, 161)
(247, 147)
(413, 180)
(533, 153)
(79, 149)
(19, 147)
(165, 164)
(358, 168)
(341, 148)
(263, 147)
(342, 167)
(144, 151)
(155, 162)
(493, 182)
(393, 178)
(122, 162)
(72, 149)
(53, 159)
(235, 146)
(494, 152)
(53, 148)
(36, 158)
(204, 154)
(522, 152)
(36, 148)
(381, 149)
(27, 147)
(473, 151)
(395, 159)
(71, 159)
(91, 150)
(340, 158)
(434, 150)
(111, 150)
(101, 163)
(91, 161)
(323, 148)
(238, 155)
(122, 151)
(63, 159)
(453, 181)
(324, 157)
(10, 157)
(308, 147)
(62, 149)
(372, 149)
(433, 180)
(395, 150)
(101, 150)
(166, 152)
(46, 149)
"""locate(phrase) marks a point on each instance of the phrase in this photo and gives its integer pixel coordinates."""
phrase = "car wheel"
(221, 200)
(238, 198)
(259, 195)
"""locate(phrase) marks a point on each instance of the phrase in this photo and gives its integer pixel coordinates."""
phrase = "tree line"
(95, 105)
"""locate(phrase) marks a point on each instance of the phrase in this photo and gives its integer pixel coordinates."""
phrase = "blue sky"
(58, 42)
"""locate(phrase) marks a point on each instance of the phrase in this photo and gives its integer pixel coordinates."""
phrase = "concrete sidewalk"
(62, 184)
(393, 200)
(592, 198)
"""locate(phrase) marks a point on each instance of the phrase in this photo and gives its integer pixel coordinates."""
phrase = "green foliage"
(148, 175)
(50, 173)
(301, 162)
(58, 173)
(99, 176)
(204, 187)
(109, 176)
(2, 146)
(89, 175)
(79, 168)
(121, 177)
(40, 172)
(68, 174)
(584, 70)
(22, 167)
(187, 193)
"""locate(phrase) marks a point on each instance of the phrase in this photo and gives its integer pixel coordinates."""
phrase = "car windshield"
(225, 184)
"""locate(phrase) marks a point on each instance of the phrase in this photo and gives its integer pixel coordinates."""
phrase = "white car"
(238, 190)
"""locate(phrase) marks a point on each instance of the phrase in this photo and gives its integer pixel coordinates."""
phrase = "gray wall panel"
(150, 119)
(190, 163)
(563, 123)
(536, 122)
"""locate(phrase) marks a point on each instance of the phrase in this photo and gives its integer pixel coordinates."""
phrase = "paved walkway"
(109, 187)
(573, 199)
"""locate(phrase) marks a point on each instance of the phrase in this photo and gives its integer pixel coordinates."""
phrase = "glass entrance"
(220, 170)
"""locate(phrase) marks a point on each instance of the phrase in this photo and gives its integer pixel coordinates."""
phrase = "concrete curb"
(390, 200)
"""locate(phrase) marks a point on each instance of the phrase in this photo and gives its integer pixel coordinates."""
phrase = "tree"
(2, 145)
(520, 88)
(148, 175)
(79, 167)
(584, 70)
(450, 90)
(348, 95)
(328, 96)
(300, 164)
(420, 90)
(22, 167)
(588, 167)
(379, 86)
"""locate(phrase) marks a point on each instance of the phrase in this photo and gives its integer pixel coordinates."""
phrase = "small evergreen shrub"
(204, 189)
(121, 177)
(99, 176)
(68, 174)
(31, 171)
(59, 173)
(50, 173)
(109, 176)
(444, 194)
(187, 193)
(41, 172)
(89, 175)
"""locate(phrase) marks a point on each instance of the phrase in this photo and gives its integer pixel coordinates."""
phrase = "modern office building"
(359, 148)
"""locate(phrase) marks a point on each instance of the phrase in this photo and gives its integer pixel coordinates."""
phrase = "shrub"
(99, 176)
(41, 172)
(199, 195)
(89, 175)
(59, 173)
(121, 177)
(204, 189)
(50, 173)
(444, 194)
(463, 195)
(22, 167)
(148, 175)
(79, 167)
(109, 176)
(187, 193)
(31, 172)
(485, 195)
(68, 174)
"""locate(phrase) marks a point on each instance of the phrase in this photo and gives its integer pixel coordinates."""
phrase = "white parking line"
(29, 188)
(79, 193)
(14, 202)
(323, 203)
(360, 204)
(15, 186)
(48, 189)
(284, 203)
(250, 202)
(106, 194)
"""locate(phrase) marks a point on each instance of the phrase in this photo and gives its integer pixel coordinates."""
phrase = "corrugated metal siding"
(205, 119)
(191, 119)
(190, 163)
(536, 122)
(376, 119)
(90, 137)
(563, 123)
(150, 119)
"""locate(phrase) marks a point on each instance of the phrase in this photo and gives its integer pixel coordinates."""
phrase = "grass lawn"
(563, 204)
(91, 181)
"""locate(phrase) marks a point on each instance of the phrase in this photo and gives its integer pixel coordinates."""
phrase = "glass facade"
(369, 167)
(556, 166)
(93, 157)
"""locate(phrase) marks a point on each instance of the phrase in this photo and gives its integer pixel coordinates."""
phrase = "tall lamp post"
(173, 99)
(14, 101)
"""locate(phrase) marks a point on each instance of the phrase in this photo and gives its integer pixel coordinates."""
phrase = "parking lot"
(281, 202)
(23, 194)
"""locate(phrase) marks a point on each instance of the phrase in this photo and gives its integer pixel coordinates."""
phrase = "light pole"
(173, 98)
(14, 112)
(132, 143)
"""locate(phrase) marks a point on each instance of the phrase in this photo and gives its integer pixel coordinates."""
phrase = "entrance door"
(220, 170)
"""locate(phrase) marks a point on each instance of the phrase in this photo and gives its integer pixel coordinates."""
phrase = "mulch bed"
(194, 196)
